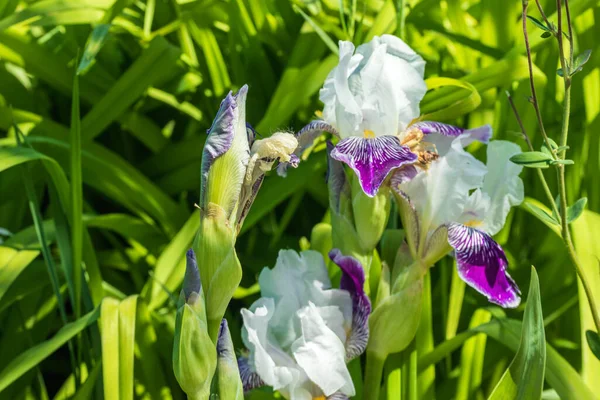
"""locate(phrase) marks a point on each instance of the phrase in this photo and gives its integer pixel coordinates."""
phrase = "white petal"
(295, 280)
(502, 184)
(272, 364)
(321, 354)
(439, 194)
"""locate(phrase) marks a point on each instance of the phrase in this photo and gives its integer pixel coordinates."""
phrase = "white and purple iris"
(301, 333)
(371, 103)
(458, 203)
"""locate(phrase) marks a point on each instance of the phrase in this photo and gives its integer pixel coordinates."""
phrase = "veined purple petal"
(481, 263)
(283, 166)
(353, 280)
(224, 344)
(482, 133)
(220, 134)
(191, 280)
(250, 379)
(336, 179)
(372, 159)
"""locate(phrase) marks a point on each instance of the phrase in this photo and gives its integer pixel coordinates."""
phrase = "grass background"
(121, 202)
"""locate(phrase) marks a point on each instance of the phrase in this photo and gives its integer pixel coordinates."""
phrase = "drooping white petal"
(320, 352)
(439, 194)
(502, 184)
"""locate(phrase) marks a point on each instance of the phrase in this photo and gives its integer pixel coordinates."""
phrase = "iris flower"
(371, 103)
(457, 203)
(301, 333)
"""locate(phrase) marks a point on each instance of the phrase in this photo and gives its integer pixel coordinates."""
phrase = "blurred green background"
(151, 79)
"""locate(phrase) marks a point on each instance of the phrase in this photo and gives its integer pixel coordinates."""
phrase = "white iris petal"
(378, 89)
(440, 193)
(296, 332)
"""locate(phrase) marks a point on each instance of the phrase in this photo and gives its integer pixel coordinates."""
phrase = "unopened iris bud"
(228, 373)
(233, 168)
(395, 320)
(194, 353)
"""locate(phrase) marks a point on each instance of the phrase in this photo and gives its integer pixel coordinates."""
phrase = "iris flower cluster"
(301, 333)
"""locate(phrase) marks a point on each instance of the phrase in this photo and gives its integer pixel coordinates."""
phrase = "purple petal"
(403, 174)
(283, 166)
(250, 379)
(306, 136)
(191, 280)
(353, 280)
(224, 344)
(336, 179)
(482, 265)
(338, 396)
(482, 133)
(220, 134)
(372, 159)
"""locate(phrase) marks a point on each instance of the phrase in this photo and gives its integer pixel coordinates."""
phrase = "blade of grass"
(76, 198)
(36, 354)
(127, 323)
(109, 328)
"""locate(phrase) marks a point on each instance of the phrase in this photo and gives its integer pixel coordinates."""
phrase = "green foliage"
(104, 105)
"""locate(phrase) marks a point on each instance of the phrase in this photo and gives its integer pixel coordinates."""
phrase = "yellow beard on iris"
(369, 134)
(473, 223)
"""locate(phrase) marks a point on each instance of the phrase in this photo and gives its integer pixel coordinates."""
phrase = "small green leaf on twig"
(574, 211)
(563, 162)
(580, 60)
(541, 214)
(560, 72)
(532, 159)
(546, 35)
(539, 24)
(593, 340)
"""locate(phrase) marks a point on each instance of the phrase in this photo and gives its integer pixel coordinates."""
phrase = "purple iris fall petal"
(250, 379)
(353, 280)
(482, 133)
(372, 159)
(481, 263)
(403, 174)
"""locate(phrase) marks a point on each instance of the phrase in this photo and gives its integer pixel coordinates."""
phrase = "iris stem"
(373, 374)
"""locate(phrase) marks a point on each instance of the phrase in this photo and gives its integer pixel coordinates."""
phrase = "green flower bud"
(194, 354)
(220, 268)
(228, 374)
(395, 320)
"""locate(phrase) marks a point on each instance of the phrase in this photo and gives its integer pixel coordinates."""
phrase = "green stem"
(566, 234)
(400, 19)
(373, 374)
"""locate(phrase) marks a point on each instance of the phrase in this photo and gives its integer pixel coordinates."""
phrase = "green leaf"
(76, 206)
(562, 162)
(593, 340)
(92, 47)
(546, 35)
(560, 375)
(541, 214)
(36, 354)
(574, 211)
(532, 159)
(524, 379)
(154, 63)
(326, 39)
(580, 61)
(12, 263)
(539, 24)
